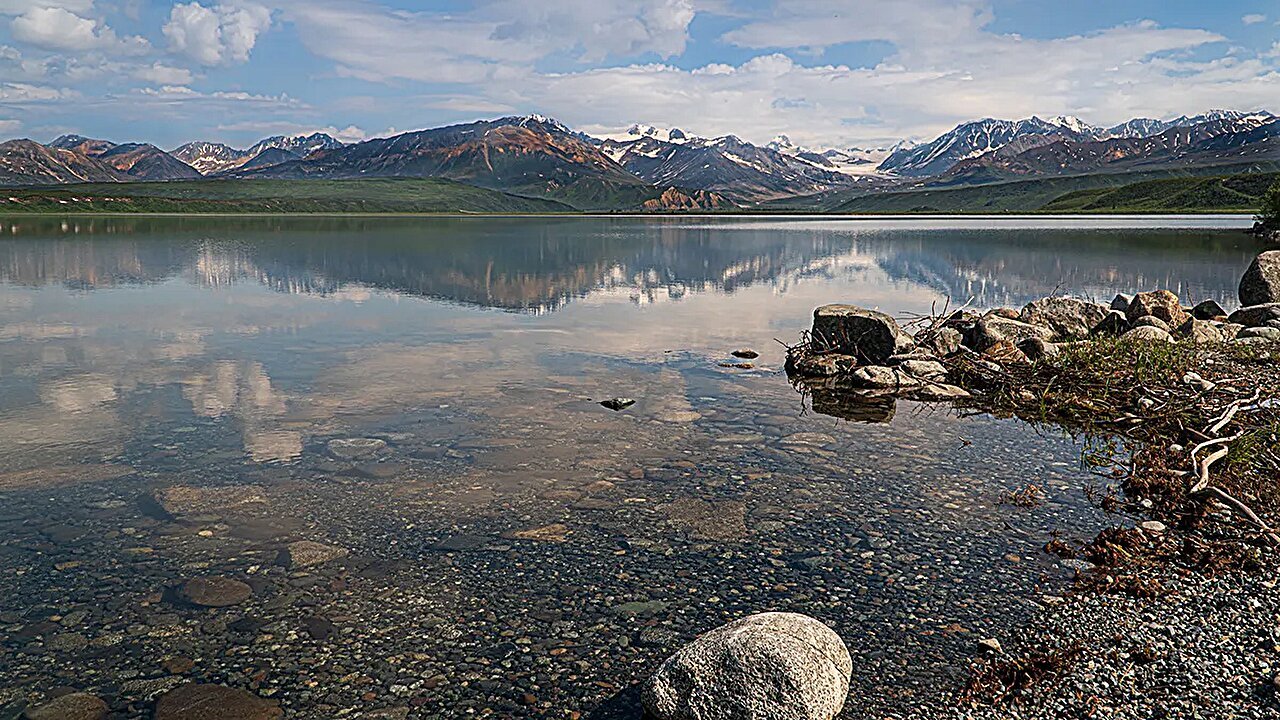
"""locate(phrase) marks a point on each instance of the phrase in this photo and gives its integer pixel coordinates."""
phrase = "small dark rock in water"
(215, 591)
(318, 628)
(214, 702)
(618, 403)
(746, 354)
(76, 706)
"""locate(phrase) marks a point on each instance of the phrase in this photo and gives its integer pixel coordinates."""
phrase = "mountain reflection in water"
(540, 265)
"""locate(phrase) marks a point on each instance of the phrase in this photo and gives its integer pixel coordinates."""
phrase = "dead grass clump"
(1126, 584)
(995, 682)
(1028, 496)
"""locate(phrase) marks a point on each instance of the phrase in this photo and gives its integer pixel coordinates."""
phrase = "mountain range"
(648, 167)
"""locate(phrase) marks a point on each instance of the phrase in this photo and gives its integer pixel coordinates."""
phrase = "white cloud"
(8, 127)
(161, 74)
(601, 29)
(60, 29)
(1253, 19)
(22, 93)
(372, 42)
(821, 23)
(348, 134)
(184, 94)
(21, 7)
(217, 35)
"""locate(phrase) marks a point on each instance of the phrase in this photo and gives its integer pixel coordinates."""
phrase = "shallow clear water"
(140, 354)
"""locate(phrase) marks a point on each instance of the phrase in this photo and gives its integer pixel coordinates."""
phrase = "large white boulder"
(779, 666)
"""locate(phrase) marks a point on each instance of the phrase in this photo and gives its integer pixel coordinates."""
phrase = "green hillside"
(1230, 193)
(372, 195)
(1043, 194)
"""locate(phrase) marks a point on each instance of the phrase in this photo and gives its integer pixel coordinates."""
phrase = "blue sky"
(824, 72)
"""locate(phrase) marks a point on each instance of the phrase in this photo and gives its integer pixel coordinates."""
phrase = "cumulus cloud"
(1253, 19)
(56, 28)
(373, 42)
(600, 29)
(161, 74)
(20, 7)
(217, 35)
(23, 93)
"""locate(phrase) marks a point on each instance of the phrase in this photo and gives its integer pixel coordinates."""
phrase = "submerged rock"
(771, 665)
(870, 336)
(75, 706)
(1069, 318)
(215, 591)
(178, 501)
(214, 702)
(1159, 303)
(746, 354)
(355, 448)
(1261, 282)
(307, 553)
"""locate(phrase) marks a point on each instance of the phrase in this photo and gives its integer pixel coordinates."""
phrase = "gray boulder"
(1037, 349)
(1153, 321)
(1121, 302)
(771, 666)
(943, 341)
(994, 329)
(1261, 282)
(868, 335)
(1115, 323)
(1208, 310)
(1201, 331)
(1268, 333)
(827, 365)
(74, 706)
(1147, 333)
(1160, 303)
(924, 369)
(879, 377)
(1255, 315)
(1069, 318)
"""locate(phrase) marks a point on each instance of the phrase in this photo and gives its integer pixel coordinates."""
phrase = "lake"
(171, 390)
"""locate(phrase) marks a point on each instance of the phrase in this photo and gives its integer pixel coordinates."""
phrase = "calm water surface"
(515, 549)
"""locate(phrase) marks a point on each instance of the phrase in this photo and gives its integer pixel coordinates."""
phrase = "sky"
(827, 73)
